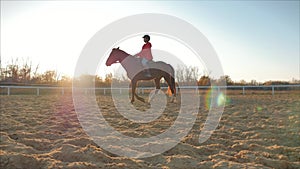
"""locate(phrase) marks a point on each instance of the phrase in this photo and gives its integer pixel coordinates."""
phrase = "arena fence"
(40, 90)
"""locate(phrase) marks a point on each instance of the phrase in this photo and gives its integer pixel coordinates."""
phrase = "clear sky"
(254, 39)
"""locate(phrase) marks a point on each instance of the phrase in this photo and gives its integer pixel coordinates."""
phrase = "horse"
(136, 71)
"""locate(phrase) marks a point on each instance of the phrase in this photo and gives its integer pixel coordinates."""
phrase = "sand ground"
(255, 131)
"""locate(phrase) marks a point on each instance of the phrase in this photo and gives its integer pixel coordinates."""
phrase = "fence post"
(243, 90)
(37, 91)
(8, 91)
(104, 91)
(273, 92)
(120, 91)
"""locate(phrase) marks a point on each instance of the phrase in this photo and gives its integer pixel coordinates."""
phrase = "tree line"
(27, 74)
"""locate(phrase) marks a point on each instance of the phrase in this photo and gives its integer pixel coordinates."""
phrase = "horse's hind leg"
(171, 84)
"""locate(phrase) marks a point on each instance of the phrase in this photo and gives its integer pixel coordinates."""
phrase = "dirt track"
(256, 131)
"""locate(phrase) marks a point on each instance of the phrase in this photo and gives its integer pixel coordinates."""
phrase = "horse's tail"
(172, 80)
(173, 84)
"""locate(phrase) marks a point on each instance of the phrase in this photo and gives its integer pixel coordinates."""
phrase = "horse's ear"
(116, 48)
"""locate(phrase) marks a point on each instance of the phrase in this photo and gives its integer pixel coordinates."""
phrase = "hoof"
(173, 100)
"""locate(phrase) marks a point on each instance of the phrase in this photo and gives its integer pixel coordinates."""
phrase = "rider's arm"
(146, 47)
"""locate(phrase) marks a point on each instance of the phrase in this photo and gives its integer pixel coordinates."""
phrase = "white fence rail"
(6, 90)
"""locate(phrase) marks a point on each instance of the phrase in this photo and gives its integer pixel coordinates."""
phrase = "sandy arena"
(255, 131)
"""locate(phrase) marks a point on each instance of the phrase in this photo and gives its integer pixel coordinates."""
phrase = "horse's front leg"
(157, 86)
(133, 87)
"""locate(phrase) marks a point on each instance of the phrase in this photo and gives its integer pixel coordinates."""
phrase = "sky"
(253, 39)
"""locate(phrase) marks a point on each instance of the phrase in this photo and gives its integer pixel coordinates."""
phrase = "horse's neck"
(122, 55)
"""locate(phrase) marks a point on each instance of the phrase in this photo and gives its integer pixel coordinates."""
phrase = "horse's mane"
(122, 51)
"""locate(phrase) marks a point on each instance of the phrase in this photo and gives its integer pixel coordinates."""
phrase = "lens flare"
(220, 100)
(259, 108)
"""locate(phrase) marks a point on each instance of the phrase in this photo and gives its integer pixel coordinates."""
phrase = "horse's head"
(115, 56)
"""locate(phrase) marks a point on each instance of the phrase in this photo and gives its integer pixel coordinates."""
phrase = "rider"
(146, 54)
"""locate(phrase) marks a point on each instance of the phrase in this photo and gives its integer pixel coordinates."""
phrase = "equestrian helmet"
(146, 36)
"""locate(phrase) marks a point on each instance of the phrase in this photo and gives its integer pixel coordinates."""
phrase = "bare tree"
(204, 81)
(65, 81)
(49, 76)
(108, 78)
(13, 72)
(243, 82)
(187, 75)
(25, 72)
(180, 74)
(226, 79)
(254, 83)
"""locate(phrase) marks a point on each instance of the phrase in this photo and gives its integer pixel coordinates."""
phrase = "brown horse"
(135, 71)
